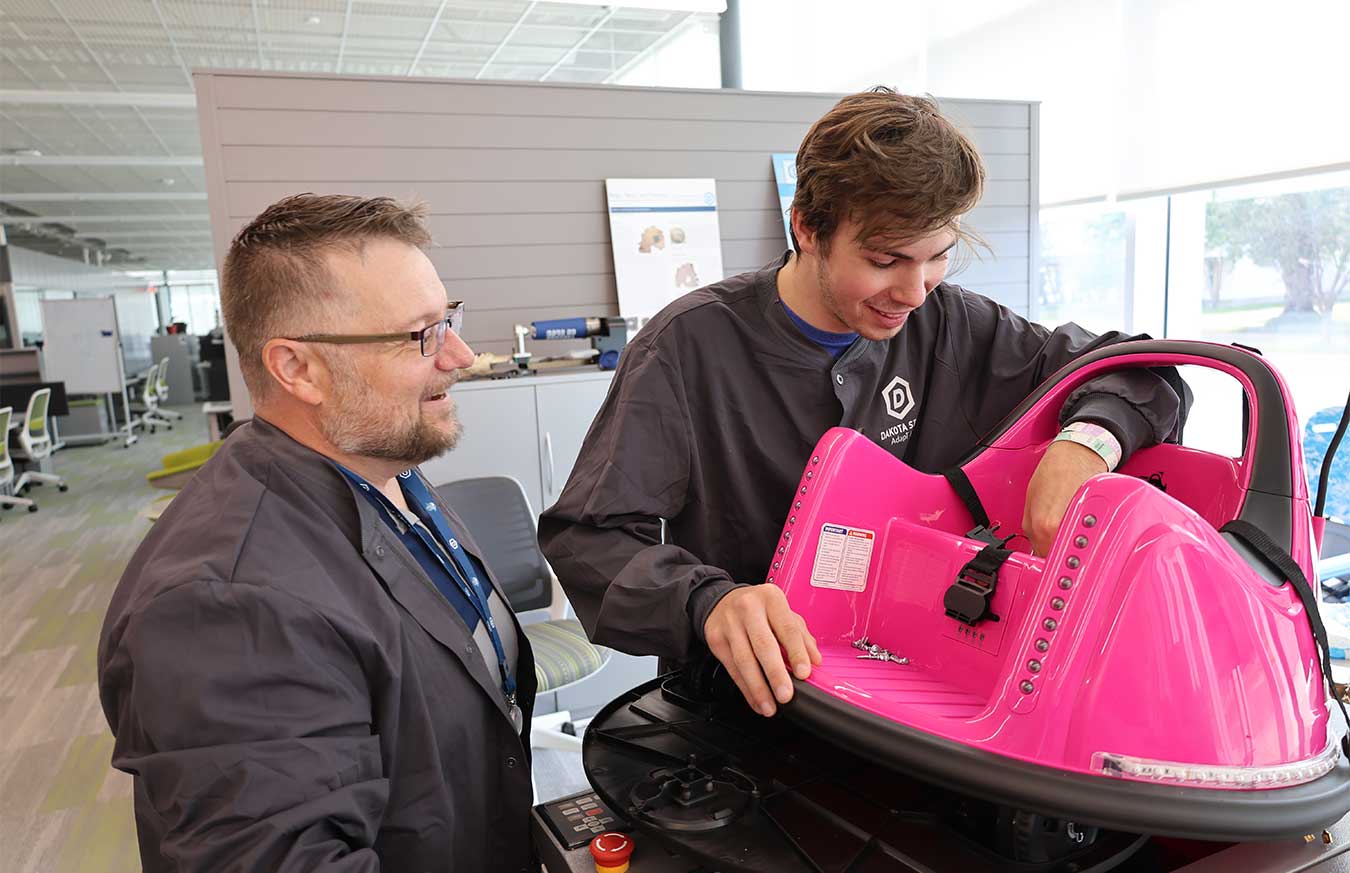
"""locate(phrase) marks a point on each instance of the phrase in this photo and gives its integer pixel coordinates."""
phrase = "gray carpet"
(63, 809)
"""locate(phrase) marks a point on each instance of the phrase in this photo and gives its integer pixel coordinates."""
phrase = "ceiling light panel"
(102, 47)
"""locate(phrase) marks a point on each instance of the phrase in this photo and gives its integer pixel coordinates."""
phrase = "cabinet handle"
(548, 450)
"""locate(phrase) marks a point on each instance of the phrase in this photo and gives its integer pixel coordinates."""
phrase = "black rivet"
(510, 762)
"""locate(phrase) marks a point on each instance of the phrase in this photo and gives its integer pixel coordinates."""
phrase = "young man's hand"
(745, 631)
(1059, 475)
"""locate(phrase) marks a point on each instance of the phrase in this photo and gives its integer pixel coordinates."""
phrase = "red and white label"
(843, 557)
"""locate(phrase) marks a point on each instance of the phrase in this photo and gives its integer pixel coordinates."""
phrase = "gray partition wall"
(514, 175)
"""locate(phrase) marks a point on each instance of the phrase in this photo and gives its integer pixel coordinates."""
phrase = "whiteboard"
(81, 345)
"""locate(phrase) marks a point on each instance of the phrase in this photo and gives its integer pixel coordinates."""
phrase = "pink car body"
(1144, 647)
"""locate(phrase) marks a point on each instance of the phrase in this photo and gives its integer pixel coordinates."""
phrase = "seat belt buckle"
(967, 600)
(986, 535)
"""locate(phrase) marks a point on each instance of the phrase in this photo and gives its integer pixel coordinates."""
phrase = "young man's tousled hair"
(892, 163)
(275, 281)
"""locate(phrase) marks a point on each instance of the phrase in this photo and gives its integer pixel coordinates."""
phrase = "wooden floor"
(63, 809)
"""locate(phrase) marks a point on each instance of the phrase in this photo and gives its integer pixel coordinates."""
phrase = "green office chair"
(162, 392)
(150, 415)
(7, 466)
(498, 514)
(35, 443)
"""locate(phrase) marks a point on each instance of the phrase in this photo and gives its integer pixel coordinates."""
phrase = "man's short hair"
(892, 163)
(275, 281)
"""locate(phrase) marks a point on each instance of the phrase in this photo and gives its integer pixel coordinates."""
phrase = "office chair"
(7, 466)
(149, 415)
(162, 391)
(497, 512)
(35, 443)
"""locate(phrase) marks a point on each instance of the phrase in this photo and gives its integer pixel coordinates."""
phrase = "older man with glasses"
(306, 664)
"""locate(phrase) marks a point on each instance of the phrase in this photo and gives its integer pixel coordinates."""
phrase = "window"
(1270, 269)
(1083, 273)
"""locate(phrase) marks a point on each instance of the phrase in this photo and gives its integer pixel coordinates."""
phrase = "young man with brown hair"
(306, 664)
(718, 402)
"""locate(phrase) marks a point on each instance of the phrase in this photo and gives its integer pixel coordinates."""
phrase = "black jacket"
(714, 411)
(292, 693)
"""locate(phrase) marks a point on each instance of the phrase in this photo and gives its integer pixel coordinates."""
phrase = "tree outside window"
(1304, 235)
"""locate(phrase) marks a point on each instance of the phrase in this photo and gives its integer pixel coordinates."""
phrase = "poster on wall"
(666, 240)
(785, 174)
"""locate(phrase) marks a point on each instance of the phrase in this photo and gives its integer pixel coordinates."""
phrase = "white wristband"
(1094, 437)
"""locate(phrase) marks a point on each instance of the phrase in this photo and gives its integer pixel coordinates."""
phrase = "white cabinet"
(529, 427)
(564, 411)
(499, 437)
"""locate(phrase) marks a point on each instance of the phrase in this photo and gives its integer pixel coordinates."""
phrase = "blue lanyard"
(459, 568)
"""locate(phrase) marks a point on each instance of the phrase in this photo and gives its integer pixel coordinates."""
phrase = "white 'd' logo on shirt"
(899, 398)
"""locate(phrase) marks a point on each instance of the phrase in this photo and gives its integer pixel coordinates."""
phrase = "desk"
(16, 394)
(126, 431)
(215, 410)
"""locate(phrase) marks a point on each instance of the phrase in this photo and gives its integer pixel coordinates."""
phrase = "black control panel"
(577, 819)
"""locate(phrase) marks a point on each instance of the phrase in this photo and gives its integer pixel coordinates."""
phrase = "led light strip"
(1172, 772)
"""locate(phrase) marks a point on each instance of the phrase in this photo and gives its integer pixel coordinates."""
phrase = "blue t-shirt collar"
(834, 343)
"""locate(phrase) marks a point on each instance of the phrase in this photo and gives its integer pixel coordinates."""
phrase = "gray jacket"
(714, 411)
(292, 693)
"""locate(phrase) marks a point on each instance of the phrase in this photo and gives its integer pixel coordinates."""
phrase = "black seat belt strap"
(1282, 561)
(960, 483)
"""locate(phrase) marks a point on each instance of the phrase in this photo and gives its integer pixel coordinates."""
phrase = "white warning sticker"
(843, 558)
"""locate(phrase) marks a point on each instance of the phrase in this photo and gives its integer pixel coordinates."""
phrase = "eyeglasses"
(431, 337)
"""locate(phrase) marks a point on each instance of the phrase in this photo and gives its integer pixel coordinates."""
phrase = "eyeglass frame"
(453, 321)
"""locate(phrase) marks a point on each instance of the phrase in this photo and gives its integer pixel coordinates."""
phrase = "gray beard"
(411, 445)
(356, 426)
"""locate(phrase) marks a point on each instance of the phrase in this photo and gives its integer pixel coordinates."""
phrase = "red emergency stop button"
(611, 851)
